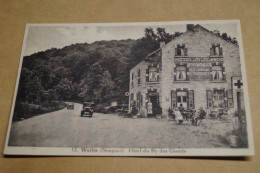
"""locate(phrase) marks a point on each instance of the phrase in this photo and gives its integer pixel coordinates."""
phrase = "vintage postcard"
(132, 89)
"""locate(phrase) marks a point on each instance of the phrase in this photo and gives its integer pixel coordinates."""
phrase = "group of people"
(179, 114)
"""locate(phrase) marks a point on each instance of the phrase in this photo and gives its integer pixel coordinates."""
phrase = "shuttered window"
(152, 73)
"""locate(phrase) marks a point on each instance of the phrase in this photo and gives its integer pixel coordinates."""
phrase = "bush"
(24, 110)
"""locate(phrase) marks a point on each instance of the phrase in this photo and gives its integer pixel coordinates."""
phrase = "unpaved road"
(65, 128)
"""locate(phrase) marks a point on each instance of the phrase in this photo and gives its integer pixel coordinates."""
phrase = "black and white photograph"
(131, 89)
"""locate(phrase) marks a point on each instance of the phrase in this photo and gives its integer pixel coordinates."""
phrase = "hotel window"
(139, 77)
(217, 73)
(216, 50)
(181, 73)
(152, 74)
(181, 50)
(218, 98)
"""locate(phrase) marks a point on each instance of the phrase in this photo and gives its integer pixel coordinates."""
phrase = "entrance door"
(182, 98)
(154, 99)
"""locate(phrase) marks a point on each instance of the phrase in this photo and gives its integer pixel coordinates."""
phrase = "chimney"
(190, 27)
(162, 43)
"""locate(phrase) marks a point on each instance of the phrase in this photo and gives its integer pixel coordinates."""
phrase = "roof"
(212, 33)
(153, 52)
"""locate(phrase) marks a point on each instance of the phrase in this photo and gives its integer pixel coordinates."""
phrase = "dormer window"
(216, 50)
(181, 50)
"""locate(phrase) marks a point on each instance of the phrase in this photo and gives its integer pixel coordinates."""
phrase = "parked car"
(70, 106)
(109, 109)
(87, 109)
(113, 109)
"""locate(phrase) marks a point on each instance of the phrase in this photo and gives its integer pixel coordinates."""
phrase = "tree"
(64, 89)
(224, 36)
(35, 90)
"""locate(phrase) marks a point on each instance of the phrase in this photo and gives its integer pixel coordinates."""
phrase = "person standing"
(179, 117)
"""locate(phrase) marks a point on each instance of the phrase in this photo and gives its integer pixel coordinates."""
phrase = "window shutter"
(147, 74)
(173, 95)
(209, 98)
(174, 74)
(176, 51)
(191, 99)
(224, 75)
(220, 51)
(158, 72)
(141, 100)
(230, 98)
(211, 51)
(185, 52)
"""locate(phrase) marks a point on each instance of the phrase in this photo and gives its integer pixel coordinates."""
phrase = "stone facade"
(197, 69)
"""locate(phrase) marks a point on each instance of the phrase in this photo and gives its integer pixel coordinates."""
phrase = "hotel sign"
(199, 68)
(202, 69)
(204, 76)
(198, 60)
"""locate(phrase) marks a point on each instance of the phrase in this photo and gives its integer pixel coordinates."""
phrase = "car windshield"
(88, 104)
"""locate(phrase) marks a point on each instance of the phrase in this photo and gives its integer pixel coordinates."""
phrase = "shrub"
(25, 110)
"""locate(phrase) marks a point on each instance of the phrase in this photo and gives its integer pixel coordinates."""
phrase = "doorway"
(154, 99)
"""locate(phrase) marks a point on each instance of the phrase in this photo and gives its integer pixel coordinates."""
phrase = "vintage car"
(113, 109)
(87, 109)
(70, 106)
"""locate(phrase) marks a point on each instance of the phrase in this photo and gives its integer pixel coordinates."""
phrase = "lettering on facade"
(198, 59)
(199, 67)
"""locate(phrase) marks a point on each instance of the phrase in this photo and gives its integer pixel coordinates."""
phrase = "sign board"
(197, 59)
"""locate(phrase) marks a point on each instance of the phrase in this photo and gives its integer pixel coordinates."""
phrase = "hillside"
(79, 72)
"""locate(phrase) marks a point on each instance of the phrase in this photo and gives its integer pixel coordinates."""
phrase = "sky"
(43, 37)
